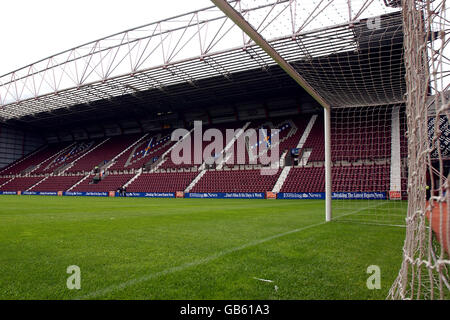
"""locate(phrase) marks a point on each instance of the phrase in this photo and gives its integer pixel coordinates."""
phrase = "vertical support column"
(327, 129)
(396, 161)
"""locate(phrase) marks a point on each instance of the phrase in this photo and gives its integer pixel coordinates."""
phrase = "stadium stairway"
(315, 142)
(79, 182)
(305, 155)
(307, 131)
(110, 182)
(231, 144)
(158, 145)
(4, 181)
(196, 179)
(281, 179)
(167, 152)
(66, 157)
(133, 178)
(226, 148)
(103, 154)
(38, 183)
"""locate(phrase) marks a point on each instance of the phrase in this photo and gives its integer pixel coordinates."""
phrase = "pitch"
(190, 249)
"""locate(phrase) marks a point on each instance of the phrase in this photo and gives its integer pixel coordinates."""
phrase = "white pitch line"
(263, 280)
(185, 266)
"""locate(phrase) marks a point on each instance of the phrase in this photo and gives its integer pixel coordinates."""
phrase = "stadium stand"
(142, 161)
(315, 142)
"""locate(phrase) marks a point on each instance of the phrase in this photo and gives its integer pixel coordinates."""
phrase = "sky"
(32, 30)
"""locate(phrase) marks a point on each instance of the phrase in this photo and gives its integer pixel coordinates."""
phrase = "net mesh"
(366, 150)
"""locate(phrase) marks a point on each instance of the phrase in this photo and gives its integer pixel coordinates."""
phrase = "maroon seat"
(367, 178)
(236, 181)
(162, 182)
(109, 183)
(20, 183)
(57, 183)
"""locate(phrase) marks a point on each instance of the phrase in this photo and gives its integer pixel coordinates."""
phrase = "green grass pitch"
(189, 249)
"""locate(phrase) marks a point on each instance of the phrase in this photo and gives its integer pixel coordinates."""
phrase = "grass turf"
(189, 249)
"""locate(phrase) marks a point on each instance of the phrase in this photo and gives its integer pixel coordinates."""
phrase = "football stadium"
(250, 150)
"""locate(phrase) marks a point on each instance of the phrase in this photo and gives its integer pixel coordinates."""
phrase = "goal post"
(381, 71)
(328, 167)
(338, 78)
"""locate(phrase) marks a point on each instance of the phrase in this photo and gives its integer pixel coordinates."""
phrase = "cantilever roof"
(350, 59)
